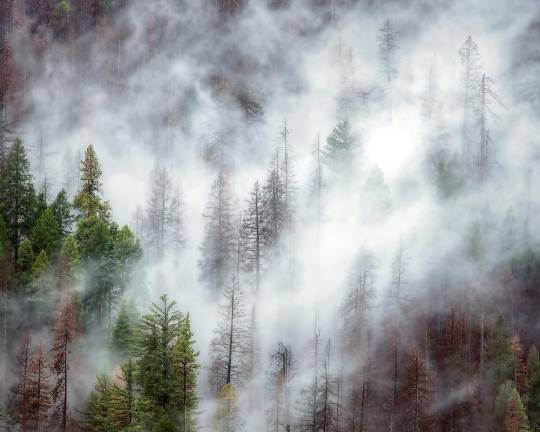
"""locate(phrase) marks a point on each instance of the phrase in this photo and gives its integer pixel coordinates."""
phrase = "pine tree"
(252, 236)
(65, 332)
(16, 195)
(40, 391)
(97, 412)
(87, 201)
(341, 151)
(91, 173)
(218, 249)
(501, 364)
(154, 350)
(124, 329)
(533, 376)
(68, 263)
(18, 408)
(62, 212)
(516, 416)
(187, 369)
(46, 234)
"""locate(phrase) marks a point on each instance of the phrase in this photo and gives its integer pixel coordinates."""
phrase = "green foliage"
(62, 212)
(16, 194)
(533, 376)
(124, 329)
(25, 257)
(46, 233)
(3, 235)
(156, 337)
(516, 417)
(91, 173)
(187, 370)
(501, 402)
(341, 149)
(97, 413)
(501, 362)
(41, 264)
(166, 424)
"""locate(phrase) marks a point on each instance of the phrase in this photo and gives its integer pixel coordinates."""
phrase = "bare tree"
(219, 247)
(387, 40)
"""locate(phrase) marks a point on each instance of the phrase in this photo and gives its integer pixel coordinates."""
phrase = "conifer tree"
(274, 205)
(68, 263)
(154, 350)
(341, 150)
(46, 234)
(501, 363)
(187, 369)
(124, 329)
(62, 212)
(97, 412)
(16, 194)
(516, 416)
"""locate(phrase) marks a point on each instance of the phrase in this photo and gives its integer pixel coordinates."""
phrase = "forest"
(269, 215)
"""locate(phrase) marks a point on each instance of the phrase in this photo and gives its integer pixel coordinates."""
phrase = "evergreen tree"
(124, 329)
(25, 259)
(187, 369)
(516, 416)
(341, 150)
(533, 375)
(68, 263)
(62, 212)
(501, 363)
(16, 195)
(91, 173)
(97, 412)
(154, 350)
(46, 234)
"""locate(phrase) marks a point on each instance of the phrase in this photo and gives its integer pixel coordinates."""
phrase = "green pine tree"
(342, 148)
(154, 349)
(68, 263)
(516, 417)
(124, 329)
(187, 369)
(97, 412)
(61, 209)
(166, 424)
(533, 375)
(16, 195)
(46, 233)
(501, 362)
(25, 259)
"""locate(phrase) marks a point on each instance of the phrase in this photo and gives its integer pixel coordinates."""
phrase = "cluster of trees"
(156, 386)
(65, 265)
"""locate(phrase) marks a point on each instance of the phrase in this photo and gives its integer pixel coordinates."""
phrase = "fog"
(169, 83)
